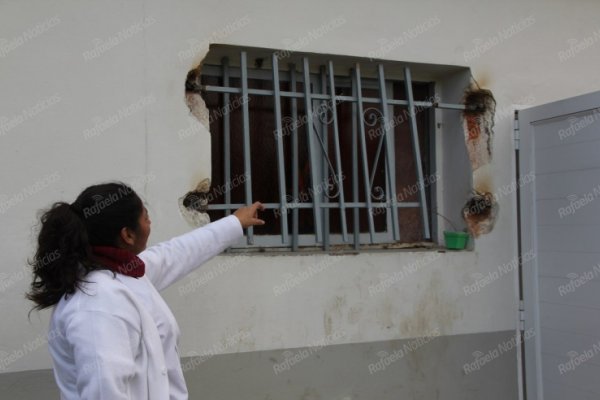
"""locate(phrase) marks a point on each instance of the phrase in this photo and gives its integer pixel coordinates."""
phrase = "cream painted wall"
(47, 156)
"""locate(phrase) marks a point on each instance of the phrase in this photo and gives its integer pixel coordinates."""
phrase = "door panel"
(560, 223)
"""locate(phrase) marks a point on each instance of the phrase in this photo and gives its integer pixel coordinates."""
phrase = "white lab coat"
(116, 338)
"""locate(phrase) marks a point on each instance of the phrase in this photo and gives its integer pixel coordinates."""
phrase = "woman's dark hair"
(64, 254)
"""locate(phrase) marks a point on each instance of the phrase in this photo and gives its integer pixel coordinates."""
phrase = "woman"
(112, 336)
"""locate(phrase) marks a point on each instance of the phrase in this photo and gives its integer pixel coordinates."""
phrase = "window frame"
(317, 93)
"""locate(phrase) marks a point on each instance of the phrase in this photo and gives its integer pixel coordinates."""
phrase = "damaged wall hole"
(194, 204)
(481, 210)
(196, 201)
(478, 124)
(480, 213)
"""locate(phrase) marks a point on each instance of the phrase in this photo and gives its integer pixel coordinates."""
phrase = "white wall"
(50, 150)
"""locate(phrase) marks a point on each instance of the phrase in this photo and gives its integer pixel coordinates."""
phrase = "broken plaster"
(194, 204)
(481, 210)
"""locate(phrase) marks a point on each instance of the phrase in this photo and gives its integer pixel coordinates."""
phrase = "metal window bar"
(323, 115)
(389, 160)
(355, 189)
(417, 151)
(311, 149)
(226, 136)
(338, 156)
(318, 149)
(246, 122)
(280, 162)
(295, 184)
(363, 150)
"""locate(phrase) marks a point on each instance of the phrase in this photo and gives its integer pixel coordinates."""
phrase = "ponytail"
(64, 248)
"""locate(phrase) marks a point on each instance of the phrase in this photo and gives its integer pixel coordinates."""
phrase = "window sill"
(336, 250)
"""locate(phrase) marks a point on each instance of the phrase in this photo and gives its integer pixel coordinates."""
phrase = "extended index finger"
(257, 205)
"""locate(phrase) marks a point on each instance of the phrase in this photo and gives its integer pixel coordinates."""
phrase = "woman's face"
(142, 233)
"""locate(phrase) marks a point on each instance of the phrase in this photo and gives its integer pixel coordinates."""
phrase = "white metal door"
(560, 225)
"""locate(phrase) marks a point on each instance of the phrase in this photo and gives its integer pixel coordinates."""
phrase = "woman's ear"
(127, 236)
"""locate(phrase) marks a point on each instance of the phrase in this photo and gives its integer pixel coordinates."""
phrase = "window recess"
(339, 150)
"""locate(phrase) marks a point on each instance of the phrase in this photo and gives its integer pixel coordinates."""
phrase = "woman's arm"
(170, 261)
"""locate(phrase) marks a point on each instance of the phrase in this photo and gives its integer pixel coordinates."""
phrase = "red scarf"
(119, 260)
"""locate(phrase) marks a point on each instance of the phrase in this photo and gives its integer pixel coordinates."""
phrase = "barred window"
(338, 149)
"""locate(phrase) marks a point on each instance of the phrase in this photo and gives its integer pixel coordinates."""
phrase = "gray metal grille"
(321, 164)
